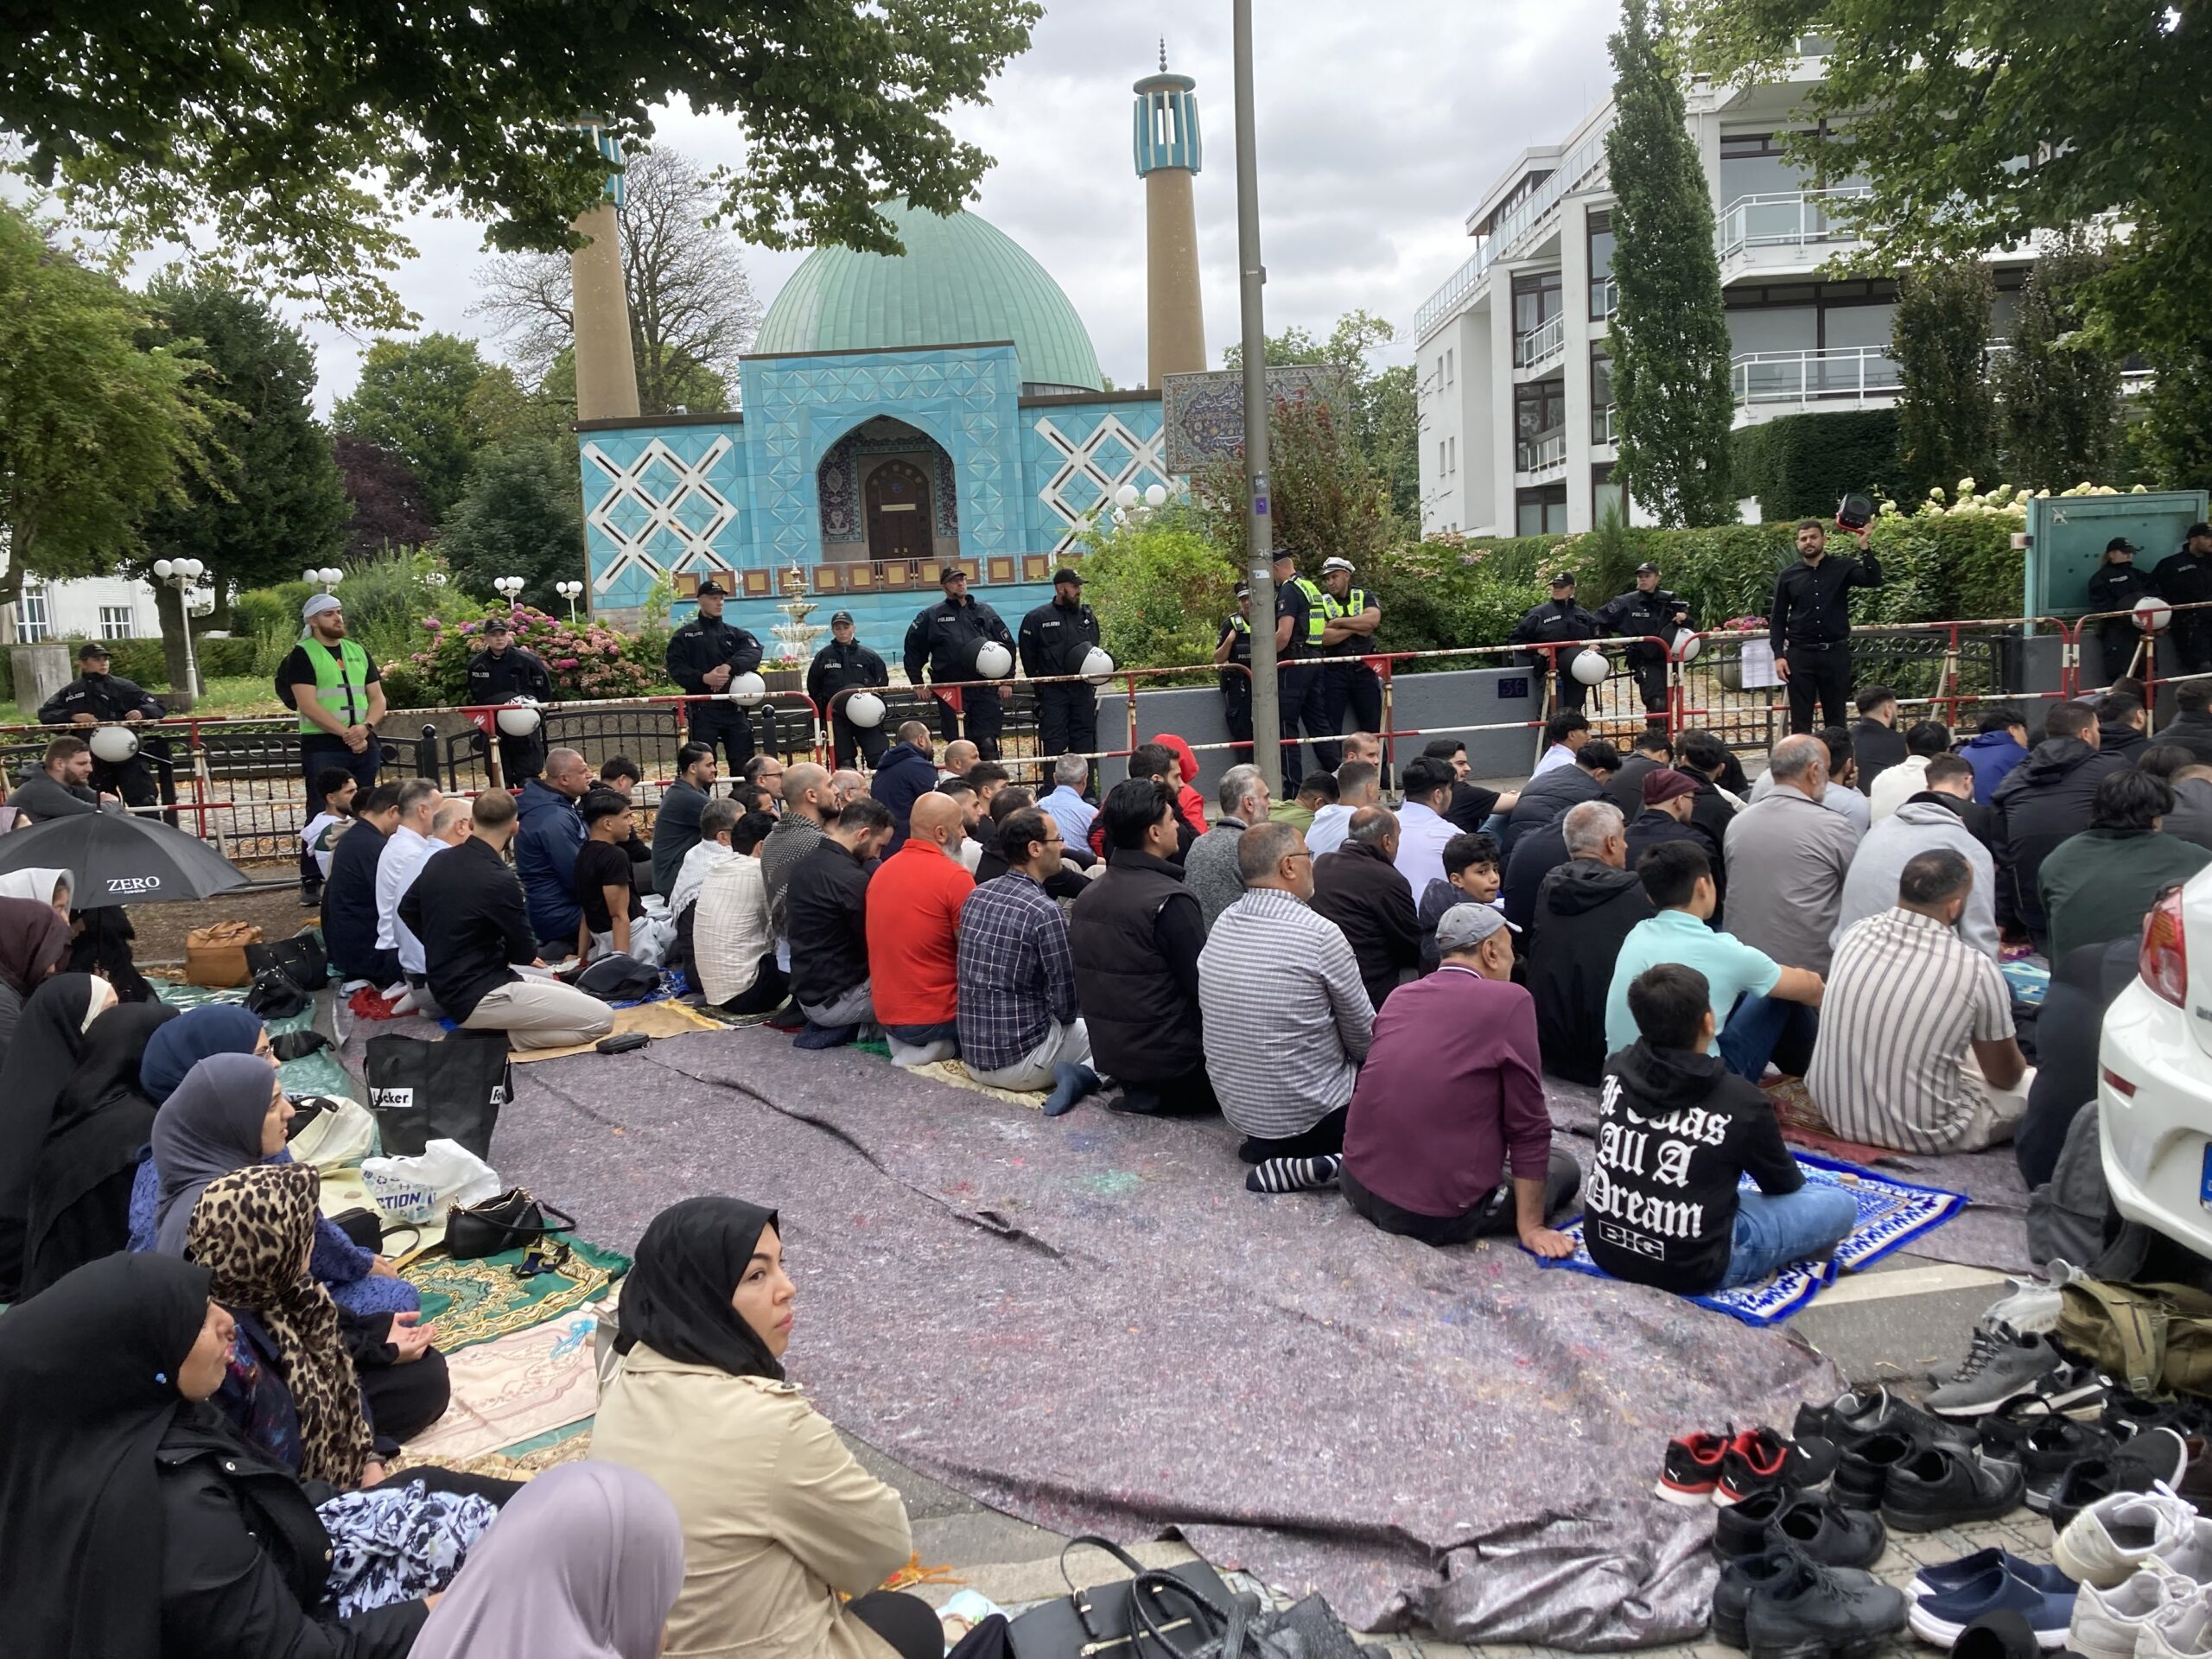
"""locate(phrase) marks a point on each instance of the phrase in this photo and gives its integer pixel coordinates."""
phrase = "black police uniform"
(1237, 689)
(1557, 622)
(1809, 627)
(502, 678)
(2183, 578)
(705, 643)
(945, 638)
(1055, 639)
(110, 697)
(1301, 682)
(841, 668)
(1657, 613)
(1348, 683)
(2116, 588)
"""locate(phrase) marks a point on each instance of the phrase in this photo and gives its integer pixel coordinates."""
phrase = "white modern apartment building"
(1515, 402)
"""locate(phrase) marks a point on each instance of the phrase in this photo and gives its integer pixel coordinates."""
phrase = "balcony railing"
(1541, 344)
(1844, 374)
(1541, 453)
(1577, 165)
(1787, 218)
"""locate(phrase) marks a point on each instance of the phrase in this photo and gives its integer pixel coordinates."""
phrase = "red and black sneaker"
(1691, 1473)
(1755, 1461)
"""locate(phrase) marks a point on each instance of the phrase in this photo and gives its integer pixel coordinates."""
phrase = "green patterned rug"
(475, 1301)
(319, 1074)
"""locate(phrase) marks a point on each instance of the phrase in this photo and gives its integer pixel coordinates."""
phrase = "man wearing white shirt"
(1422, 827)
(410, 845)
(1359, 783)
(1908, 777)
(1565, 733)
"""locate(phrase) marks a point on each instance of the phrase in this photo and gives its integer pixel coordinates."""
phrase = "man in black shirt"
(1055, 639)
(1232, 653)
(676, 820)
(704, 656)
(467, 907)
(1471, 805)
(1302, 693)
(96, 698)
(1809, 624)
(845, 664)
(2185, 578)
(825, 918)
(1558, 622)
(500, 672)
(2115, 586)
(944, 639)
(1875, 740)
(615, 920)
(1646, 609)
(349, 894)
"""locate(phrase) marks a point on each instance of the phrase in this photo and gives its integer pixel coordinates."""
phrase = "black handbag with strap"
(1105, 1621)
(512, 1221)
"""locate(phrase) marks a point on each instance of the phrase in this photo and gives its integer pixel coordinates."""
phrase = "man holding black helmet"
(944, 638)
(2115, 587)
(2185, 578)
(1560, 621)
(97, 697)
(704, 656)
(1649, 609)
(1232, 653)
(845, 664)
(500, 672)
(1055, 639)
(1809, 625)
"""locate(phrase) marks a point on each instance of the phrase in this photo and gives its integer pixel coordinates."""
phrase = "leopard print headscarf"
(253, 1229)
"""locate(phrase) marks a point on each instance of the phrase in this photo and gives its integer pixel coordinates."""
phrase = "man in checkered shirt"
(1018, 1024)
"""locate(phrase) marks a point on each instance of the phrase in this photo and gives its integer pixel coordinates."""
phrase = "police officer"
(1349, 618)
(945, 638)
(704, 656)
(1233, 651)
(845, 664)
(97, 697)
(1055, 638)
(1558, 622)
(2115, 586)
(1301, 618)
(1809, 625)
(1646, 609)
(500, 672)
(2185, 578)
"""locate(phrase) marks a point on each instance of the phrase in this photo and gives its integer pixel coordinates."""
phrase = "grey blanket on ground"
(1088, 1323)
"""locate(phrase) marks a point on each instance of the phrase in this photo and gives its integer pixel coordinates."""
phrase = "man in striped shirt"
(1287, 1019)
(1915, 1048)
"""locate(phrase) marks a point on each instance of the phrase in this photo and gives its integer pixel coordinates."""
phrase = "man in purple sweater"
(1452, 1091)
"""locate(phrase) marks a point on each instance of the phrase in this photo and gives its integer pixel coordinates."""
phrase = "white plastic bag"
(421, 1189)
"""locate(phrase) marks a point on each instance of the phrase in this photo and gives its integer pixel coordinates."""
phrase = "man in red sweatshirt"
(914, 935)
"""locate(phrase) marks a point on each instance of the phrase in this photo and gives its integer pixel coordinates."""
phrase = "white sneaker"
(2032, 1308)
(2190, 1558)
(2180, 1629)
(2107, 1623)
(2116, 1535)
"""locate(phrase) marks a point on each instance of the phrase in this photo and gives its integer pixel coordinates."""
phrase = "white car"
(2154, 1074)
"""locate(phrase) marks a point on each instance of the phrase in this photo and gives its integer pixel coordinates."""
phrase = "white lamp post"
(570, 591)
(181, 574)
(326, 578)
(509, 587)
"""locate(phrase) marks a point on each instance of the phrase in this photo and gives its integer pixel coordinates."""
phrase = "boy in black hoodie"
(1676, 1131)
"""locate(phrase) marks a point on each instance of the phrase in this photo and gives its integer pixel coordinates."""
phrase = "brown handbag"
(215, 955)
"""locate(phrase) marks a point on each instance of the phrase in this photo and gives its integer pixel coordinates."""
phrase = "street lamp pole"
(1252, 276)
(181, 574)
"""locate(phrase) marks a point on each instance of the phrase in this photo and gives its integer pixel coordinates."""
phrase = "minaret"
(1167, 152)
(606, 372)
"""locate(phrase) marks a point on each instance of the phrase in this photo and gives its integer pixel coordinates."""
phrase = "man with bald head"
(1359, 888)
(846, 786)
(548, 834)
(914, 935)
(960, 755)
(809, 803)
(903, 775)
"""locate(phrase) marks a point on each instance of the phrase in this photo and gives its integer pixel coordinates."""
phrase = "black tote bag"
(447, 1091)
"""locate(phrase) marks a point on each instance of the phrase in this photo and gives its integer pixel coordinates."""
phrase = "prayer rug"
(1892, 1213)
(2029, 980)
(1802, 1125)
(515, 1388)
(481, 1300)
(954, 1072)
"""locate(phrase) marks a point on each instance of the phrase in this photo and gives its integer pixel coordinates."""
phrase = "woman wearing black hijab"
(50, 1044)
(777, 1513)
(80, 1193)
(134, 1524)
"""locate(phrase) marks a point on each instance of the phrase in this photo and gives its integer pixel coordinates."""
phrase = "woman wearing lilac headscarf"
(583, 1563)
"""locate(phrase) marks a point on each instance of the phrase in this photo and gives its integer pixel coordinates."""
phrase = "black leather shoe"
(1943, 1486)
(1863, 1475)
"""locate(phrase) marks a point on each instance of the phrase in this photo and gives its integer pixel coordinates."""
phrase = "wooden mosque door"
(899, 520)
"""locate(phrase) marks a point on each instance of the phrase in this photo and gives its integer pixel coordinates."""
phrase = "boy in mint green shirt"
(1678, 878)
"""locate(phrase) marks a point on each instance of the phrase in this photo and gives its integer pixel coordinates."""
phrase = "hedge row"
(1801, 466)
(142, 661)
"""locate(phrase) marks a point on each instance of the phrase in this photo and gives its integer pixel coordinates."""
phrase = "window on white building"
(1454, 444)
(1540, 511)
(1607, 497)
(1443, 459)
(1603, 295)
(118, 622)
(1452, 368)
(33, 621)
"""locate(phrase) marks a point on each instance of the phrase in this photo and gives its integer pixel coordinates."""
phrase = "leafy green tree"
(1947, 420)
(2058, 387)
(521, 516)
(100, 417)
(2173, 441)
(1162, 590)
(1669, 335)
(272, 500)
(302, 135)
(1324, 497)
(413, 400)
(1380, 403)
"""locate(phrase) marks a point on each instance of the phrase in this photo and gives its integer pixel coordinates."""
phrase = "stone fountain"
(794, 636)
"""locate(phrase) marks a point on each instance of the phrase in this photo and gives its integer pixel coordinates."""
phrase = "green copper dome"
(960, 281)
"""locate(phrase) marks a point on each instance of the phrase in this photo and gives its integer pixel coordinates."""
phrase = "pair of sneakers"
(2003, 1364)
(1729, 1468)
(1990, 1585)
(2148, 1593)
(1777, 1604)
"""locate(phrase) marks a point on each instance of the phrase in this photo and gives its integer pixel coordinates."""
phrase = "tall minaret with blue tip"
(1167, 153)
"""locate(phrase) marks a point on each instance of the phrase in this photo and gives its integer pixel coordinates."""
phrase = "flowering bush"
(584, 661)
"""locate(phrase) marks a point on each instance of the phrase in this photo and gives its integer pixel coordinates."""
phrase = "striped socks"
(1295, 1174)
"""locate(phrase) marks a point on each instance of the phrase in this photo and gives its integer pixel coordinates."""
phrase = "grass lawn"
(247, 694)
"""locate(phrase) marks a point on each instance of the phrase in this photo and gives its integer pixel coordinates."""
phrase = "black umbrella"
(118, 858)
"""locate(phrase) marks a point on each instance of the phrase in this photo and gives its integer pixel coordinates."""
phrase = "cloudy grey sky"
(1380, 121)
